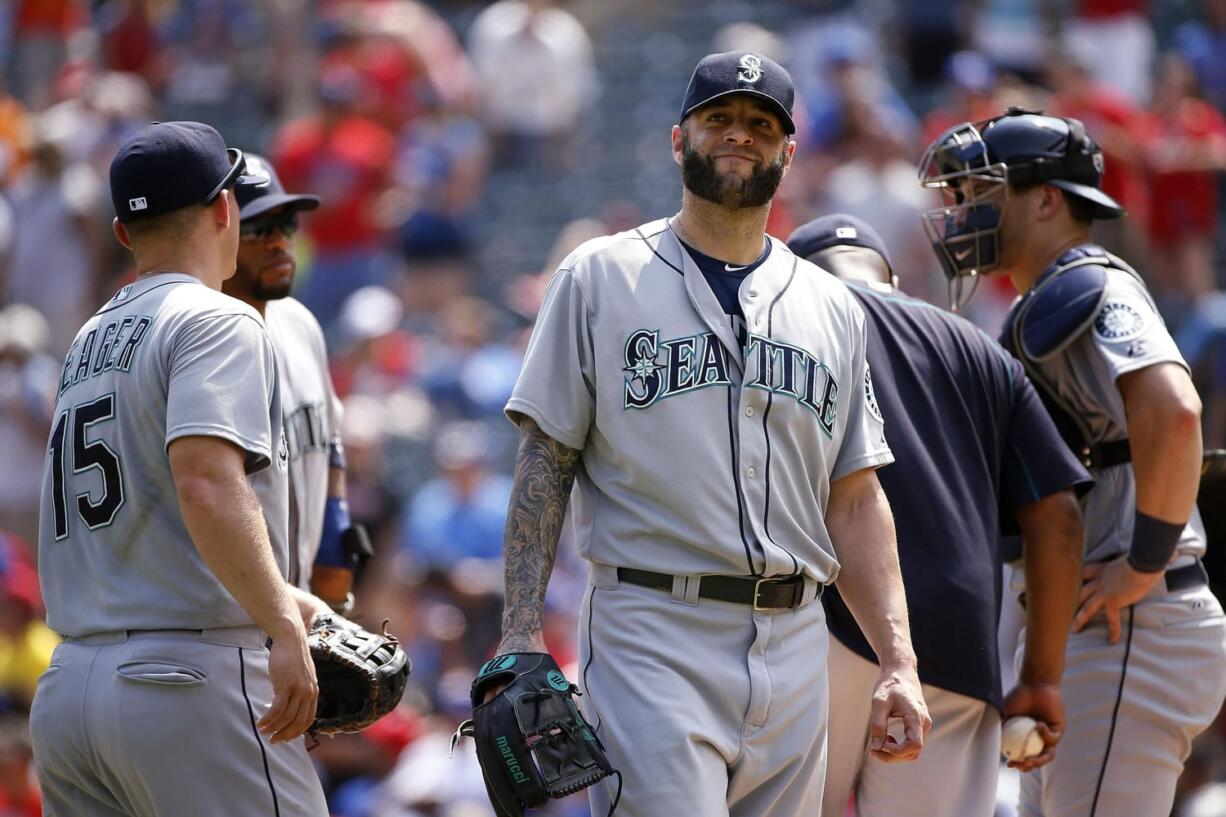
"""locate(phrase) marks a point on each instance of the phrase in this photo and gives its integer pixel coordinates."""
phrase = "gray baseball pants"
(708, 708)
(161, 723)
(955, 775)
(1132, 708)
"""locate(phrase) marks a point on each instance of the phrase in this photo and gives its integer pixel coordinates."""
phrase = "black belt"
(1179, 578)
(778, 593)
(1106, 455)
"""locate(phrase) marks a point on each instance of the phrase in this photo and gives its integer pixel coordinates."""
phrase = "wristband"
(1153, 543)
(331, 540)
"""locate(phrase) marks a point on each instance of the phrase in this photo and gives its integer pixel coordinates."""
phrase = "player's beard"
(699, 176)
(272, 292)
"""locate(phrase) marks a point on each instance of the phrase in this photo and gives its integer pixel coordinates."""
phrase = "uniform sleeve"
(1130, 335)
(557, 384)
(1036, 462)
(864, 444)
(222, 383)
(333, 407)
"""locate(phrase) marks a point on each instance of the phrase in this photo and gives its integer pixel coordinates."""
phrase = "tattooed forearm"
(544, 473)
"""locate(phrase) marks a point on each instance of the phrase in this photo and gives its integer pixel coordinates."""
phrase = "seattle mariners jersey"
(312, 417)
(167, 357)
(700, 456)
(1128, 334)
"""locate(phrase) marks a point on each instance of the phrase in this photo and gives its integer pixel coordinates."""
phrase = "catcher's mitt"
(361, 674)
(532, 743)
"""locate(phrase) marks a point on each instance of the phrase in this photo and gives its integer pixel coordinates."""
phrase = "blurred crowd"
(437, 134)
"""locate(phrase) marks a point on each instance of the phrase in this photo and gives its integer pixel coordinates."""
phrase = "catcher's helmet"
(976, 163)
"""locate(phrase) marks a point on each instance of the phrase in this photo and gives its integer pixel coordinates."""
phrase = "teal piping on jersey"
(1034, 490)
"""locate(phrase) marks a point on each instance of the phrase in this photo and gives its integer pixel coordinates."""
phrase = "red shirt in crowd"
(1183, 202)
(1104, 9)
(346, 164)
(48, 16)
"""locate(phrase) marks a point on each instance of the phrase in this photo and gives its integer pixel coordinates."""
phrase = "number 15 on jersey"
(71, 439)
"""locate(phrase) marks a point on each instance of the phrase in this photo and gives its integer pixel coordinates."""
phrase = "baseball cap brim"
(1105, 207)
(788, 125)
(260, 206)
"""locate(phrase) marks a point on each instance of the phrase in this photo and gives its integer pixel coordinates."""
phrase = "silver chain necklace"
(689, 239)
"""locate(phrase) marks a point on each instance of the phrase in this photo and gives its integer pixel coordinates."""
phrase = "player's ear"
(678, 137)
(223, 209)
(1049, 202)
(121, 234)
(788, 153)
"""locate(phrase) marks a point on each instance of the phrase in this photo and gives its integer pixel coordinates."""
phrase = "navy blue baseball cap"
(264, 191)
(741, 72)
(837, 230)
(167, 166)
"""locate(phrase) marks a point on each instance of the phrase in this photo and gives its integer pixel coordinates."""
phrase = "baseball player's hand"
(295, 692)
(1110, 587)
(1043, 703)
(897, 696)
(534, 642)
(309, 605)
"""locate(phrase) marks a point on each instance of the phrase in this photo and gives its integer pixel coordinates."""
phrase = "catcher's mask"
(975, 164)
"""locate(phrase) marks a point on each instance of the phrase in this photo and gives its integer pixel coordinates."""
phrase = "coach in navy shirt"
(976, 456)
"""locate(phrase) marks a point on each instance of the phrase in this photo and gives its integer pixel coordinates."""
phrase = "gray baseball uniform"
(702, 457)
(150, 704)
(1132, 708)
(312, 422)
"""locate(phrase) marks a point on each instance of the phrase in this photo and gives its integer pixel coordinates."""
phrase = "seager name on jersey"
(105, 347)
(656, 370)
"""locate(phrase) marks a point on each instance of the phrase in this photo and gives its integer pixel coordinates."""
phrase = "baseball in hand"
(1020, 738)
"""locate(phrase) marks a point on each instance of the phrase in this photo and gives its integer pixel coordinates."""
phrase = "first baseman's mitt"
(532, 743)
(361, 674)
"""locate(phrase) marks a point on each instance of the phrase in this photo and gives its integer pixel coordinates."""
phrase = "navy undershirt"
(972, 443)
(725, 281)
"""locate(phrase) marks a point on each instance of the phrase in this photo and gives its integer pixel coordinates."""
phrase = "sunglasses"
(237, 170)
(268, 225)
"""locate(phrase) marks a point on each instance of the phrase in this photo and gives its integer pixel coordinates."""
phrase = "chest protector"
(1062, 305)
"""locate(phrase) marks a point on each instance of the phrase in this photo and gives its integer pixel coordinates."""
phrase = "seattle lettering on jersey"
(658, 370)
(105, 347)
(780, 368)
(304, 430)
(689, 363)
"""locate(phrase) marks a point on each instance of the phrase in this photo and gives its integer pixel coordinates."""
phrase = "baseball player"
(324, 546)
(1145, 669)
(704, 392)
(977, 456)
(157, 565)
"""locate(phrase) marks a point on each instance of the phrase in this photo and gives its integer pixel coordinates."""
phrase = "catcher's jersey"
(312, 422)
(700, 456)
(166, 357)
(1128, 334)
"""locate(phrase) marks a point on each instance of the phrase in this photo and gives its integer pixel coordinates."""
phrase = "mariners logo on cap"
(749, 69)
